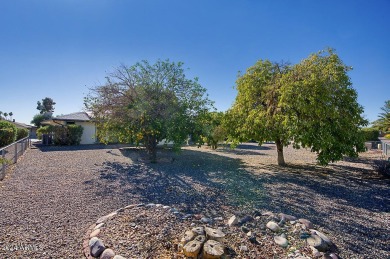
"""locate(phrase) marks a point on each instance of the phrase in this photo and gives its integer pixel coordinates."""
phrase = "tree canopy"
(310, 104)
(383, 122)
(147, 103)
(47, 105)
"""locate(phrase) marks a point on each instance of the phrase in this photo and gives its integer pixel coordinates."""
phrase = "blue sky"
(60, 48)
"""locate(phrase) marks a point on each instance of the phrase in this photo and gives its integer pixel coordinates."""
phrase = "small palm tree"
(5, 115)
(10, 114)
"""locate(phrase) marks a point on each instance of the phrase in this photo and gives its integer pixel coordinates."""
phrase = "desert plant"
(7, 133)
(21, 133)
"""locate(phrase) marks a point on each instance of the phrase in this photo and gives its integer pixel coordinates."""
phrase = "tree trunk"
(279, 148)
(151, 148)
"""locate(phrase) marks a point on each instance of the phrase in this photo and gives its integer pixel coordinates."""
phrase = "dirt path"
(54, 194)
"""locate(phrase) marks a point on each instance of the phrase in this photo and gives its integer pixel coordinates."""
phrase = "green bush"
(21, 133)
(67, 135)
(44, 130)
(74, 134)
(370, 134)
(387, 136)
(7, 133)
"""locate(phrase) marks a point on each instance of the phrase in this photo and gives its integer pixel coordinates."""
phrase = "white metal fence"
(386, 148)
(9, 155)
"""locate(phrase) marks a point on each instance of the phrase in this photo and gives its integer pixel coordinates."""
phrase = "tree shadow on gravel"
(346, 200)
(192, 182)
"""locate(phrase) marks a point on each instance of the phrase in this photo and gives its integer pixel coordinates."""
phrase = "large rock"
(214, 234)
(192, 248)
(281, 241)
(273, 226)
(232, 221)
(317, 242)
(322, 235)
(107, 254)
(213, 249)
(97, 248)
(188, 236)
(118, 257)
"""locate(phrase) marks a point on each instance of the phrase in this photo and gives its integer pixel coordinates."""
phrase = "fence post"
(3, 165)
(16, 153)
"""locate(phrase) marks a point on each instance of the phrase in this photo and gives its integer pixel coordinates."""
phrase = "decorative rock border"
(93, 247)
(278, 225)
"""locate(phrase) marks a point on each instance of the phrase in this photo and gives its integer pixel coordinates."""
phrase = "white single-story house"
(78, 118)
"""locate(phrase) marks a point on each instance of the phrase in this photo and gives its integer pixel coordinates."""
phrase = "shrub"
(44, 130)
(370, 134)
(74, 134)
(387, 136)
(67, 135)
(21, 133)
(7, 133)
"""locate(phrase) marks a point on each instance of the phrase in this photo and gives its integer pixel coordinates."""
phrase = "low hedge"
(7, 133)
(21, 133)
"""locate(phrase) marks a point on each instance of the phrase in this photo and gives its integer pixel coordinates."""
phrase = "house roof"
(22, 125)
(77, 116)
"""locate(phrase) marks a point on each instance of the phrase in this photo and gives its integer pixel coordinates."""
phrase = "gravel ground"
(55, 193)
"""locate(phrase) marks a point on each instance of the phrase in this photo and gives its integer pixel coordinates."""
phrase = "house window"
(70, 123)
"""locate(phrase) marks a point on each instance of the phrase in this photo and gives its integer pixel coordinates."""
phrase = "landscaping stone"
(212, 249)
(232, 221)
(281, 241)
(118, 257)
(97, 248)
(188, 236)
(317, 242)
(192, 249)
(322, 235)
(107, 254)
(214, 234)
(98, 226)
(273, 226)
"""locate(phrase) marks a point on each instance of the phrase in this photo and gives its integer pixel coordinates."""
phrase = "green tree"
(212, 129)
(147, 103)
(311, 104)
(38, 118)
(5, 115)
(383, 122)
(10, 114)
(47, 105)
